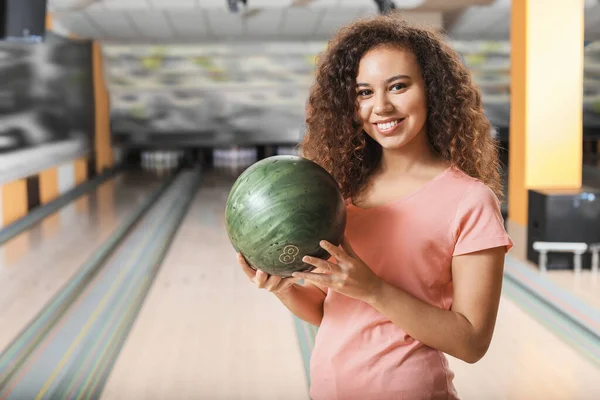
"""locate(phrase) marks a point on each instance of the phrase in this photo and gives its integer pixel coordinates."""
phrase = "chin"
(391, 142)
(396, 140)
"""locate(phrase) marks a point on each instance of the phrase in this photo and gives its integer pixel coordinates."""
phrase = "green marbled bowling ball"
(279, 209)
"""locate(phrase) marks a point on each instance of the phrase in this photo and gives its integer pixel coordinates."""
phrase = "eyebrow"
(388, 80)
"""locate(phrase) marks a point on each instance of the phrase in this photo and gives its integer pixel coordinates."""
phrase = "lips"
(388, 126)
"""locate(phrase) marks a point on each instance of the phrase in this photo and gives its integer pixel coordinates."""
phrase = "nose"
(382, 105)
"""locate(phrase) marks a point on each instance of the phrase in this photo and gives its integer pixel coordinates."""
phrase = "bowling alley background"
(46, 104)
(121, 136)
(221, 93)
(211, 94)
(240, 90)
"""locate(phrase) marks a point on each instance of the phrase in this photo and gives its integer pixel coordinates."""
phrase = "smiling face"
(391, 98)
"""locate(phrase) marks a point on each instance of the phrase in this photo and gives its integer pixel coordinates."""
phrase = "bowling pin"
(219, 160)
(230, 160)
(160, 163)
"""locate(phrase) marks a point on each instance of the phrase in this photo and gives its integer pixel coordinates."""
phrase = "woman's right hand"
(272, 283)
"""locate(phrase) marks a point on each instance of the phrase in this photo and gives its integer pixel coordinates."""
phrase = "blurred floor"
(205, 332)
(35, 264)
(585, 286)
(526, 361)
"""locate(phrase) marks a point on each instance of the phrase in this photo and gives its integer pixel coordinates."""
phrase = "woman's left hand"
(350, 276)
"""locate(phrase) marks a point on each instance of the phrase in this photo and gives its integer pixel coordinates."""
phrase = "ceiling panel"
(125, 4)
(492, 22)
(151, 23)
(301, 22)
(223, 23)
(265, 23)
(323, 3)
(81, 23)
(408, 4)
(333, 19)
(61, 3)
(188, 23)
(189, 20)
(114, 22)
(269, 3)
(172, 4)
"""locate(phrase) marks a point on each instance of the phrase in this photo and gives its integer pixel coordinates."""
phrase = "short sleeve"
(478, 224)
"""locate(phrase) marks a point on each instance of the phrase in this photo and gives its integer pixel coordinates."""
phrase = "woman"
(395, 118)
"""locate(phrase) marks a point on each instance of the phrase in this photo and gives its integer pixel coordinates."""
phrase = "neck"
(408, 158)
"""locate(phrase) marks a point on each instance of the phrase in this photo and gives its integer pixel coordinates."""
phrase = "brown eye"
(399, 86)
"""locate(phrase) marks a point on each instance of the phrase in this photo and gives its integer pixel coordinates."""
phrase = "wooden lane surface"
(526, 361)
(205, 332)
(53, 251)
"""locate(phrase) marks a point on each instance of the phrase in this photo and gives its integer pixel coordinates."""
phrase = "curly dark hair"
(457, 128)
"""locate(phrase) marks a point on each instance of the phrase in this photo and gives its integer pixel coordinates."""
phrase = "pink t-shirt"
(359, 353)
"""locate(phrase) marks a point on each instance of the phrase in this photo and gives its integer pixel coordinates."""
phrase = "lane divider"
(100, 378)
(86, 364)
(564, 328)
(569, 305)
(28, 339)
(38, 214)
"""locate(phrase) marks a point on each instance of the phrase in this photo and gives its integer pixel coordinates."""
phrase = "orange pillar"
(102, 145)
(48, 185)
(81, 175)
(14, 201)
(546, 99)
(81, 170)
(49, 21)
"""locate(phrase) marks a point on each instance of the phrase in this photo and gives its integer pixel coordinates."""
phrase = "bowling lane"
(525, 361)
(204, 331)
(35, 264)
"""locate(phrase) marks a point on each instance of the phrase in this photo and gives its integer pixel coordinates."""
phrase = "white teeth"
(387, 125)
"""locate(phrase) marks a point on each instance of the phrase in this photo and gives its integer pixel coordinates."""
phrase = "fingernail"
(306, 259)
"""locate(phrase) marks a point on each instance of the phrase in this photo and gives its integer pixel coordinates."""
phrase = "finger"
(261, 279)
(323, 265)
(248, 270)
(285, 284)
(321, 279)
(272, 282)
(338, 253)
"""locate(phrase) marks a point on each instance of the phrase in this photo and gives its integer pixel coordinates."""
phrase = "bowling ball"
(279, 209)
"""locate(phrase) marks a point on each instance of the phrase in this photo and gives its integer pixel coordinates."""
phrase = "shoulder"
(478, 221)
(461, 192)
(472, 190)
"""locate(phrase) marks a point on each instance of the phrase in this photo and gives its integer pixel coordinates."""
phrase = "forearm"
(305, 302)
(445, 330)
